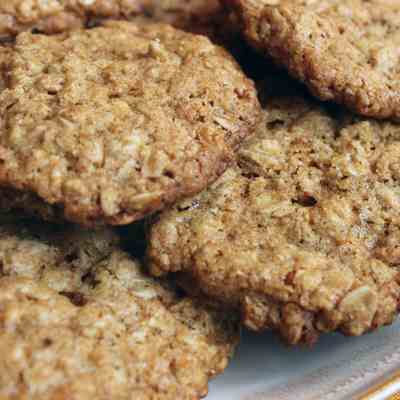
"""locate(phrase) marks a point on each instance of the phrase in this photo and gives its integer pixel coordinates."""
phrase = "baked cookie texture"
(112, 123)
(55, 16)
(303, 234)
(80, 319)
(207, 17)
(344, 50)
(46, 16)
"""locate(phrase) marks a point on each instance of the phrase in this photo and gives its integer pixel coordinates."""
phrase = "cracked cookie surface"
(303, 234)
(112, 123)
(80, 319)
(346, 51)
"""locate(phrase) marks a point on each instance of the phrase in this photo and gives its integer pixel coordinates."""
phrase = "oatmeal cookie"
(112, 123)
(343, 50)
(55, 16)
(303, 234)
(80, 319)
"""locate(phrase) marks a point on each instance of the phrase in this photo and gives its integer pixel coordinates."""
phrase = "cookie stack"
(270, 202)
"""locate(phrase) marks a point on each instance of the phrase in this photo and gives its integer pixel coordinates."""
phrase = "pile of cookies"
(171, 170)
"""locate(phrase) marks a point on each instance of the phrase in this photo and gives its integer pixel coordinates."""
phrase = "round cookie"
(112, 123)
(345, 51)
(90, 323)
(303, 234)
(54, 16)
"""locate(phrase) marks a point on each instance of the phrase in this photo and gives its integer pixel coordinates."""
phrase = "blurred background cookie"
(55, 16)
(345, 51)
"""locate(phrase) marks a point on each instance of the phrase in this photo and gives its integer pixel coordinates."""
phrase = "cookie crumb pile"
(173, 170)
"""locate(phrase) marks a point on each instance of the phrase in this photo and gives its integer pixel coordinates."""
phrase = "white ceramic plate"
(336, 368)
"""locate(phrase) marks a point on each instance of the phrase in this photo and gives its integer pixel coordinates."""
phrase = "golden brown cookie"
(303, 234)
(54, 16)
(80, 319)
(48, 16)
(345, 51)
(112, 123)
